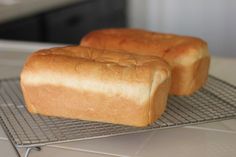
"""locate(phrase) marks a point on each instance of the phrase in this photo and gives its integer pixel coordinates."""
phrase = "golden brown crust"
(91, 84)
(158, 101)
(71, 103)
(178, 51)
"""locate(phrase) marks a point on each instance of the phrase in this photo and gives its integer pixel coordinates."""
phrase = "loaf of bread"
(98, 85)
(188, 56)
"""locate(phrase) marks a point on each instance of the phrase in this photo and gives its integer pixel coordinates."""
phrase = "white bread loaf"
(90, 84)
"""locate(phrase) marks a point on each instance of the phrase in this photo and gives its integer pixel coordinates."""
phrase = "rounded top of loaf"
(175, 49)
(89, 54)
(70, 59)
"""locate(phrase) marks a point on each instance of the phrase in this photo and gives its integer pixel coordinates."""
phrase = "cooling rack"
(215, 101)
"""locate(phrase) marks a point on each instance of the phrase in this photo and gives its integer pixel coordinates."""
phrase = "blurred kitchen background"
(66, 21)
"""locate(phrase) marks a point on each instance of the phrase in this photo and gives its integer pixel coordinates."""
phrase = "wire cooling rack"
(215, 101)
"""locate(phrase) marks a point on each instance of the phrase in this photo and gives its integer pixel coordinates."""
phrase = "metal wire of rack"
(215, 101)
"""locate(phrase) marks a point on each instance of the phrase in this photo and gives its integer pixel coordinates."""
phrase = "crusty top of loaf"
(175, 49)
(104, 56)
(101, 71)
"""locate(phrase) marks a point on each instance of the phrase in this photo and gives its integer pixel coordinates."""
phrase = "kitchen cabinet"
(25, 29)
(72, 23)
(67, 24)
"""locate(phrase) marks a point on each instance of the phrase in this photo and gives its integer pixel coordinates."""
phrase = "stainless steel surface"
(216, 101)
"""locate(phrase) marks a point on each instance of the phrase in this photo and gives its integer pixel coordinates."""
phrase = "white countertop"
(216, 139)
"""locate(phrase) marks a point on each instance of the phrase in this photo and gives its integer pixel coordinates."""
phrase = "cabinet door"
(111, 13)
(70, 24)
(24, 29)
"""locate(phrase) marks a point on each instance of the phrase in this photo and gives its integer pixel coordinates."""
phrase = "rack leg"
(28, 150)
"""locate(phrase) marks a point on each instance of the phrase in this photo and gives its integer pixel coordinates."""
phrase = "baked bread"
(188, 56)
(97, 85)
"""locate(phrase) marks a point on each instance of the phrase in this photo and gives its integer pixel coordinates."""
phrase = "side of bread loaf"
(188, 56)
(97, 85)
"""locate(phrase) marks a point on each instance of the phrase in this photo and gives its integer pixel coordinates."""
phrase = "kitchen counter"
(216, 139)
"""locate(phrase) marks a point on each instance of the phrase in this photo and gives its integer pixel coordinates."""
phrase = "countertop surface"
(216, 139)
